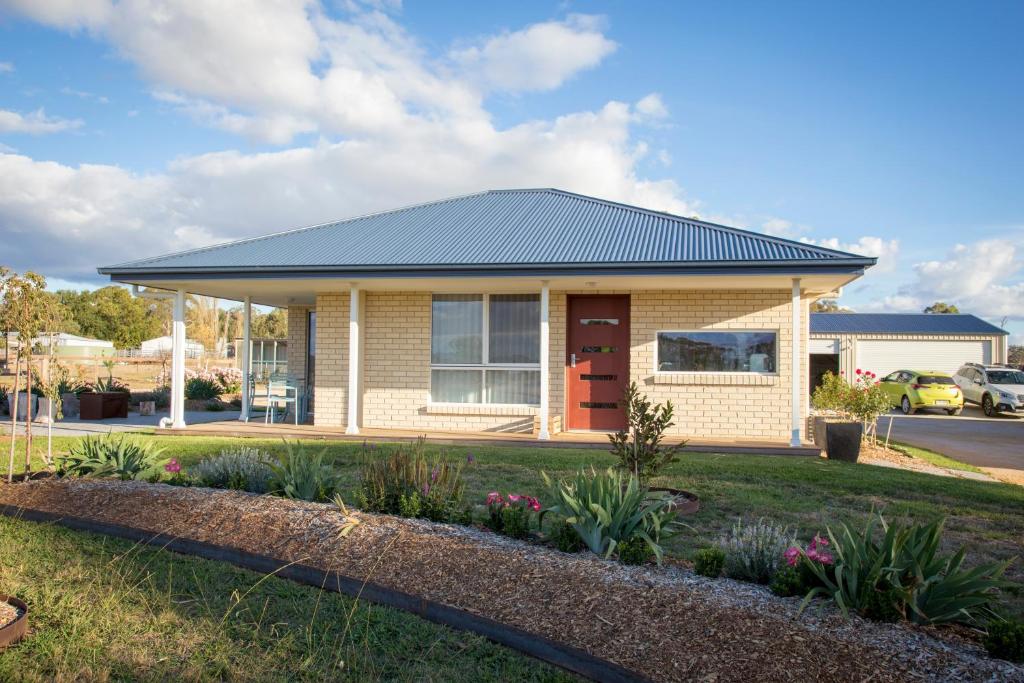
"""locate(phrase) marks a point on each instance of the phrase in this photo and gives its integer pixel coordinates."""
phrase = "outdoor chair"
(281, 394)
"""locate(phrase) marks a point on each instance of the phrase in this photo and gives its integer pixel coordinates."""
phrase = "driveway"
(995, 443)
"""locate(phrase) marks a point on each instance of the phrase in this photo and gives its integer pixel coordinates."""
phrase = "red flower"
(858, 371)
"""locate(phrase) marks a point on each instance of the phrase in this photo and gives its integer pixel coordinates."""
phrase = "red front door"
(598, 361)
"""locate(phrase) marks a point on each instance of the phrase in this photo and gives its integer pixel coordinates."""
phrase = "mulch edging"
(665, 623)
(569, 658)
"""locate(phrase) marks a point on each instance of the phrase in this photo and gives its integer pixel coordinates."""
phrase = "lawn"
(106, 609)
(806, 493)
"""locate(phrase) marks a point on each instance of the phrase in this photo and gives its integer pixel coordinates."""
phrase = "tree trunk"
(28, 413)
(14, 414)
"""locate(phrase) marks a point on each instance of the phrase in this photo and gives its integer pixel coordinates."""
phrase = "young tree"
(828, 306)
(27, 309)
(942, 307)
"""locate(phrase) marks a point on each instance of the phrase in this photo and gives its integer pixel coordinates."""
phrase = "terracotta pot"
(842, 440)
(14, 631)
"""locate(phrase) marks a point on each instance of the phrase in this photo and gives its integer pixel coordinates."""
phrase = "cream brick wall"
(331, 391)
(396, 365)
(298, 329)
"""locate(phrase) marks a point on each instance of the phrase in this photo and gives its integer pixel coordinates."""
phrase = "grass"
(937, 459)
(103, 609)
(805, 493)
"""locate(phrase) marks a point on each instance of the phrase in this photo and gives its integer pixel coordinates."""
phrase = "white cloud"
(34, 123)
(539, 57)
(69, 14)
(886, 251)
(85, 95)
(6, 67)
(7, 149)
(652, 107)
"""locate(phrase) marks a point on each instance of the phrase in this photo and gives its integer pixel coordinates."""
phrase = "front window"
(723, 351)
(485, 348)
(1005, 377)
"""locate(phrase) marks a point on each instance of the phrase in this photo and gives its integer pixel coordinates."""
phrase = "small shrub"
(510, 515)
(709, 562)
(410, 484)
(638, 447)
(634, 551)
(787, 582)
(903, 572)
(202, 389)
(610, 507)
(215, 407)
(297, 474)
(566, 539)
(242, 469)
(754, 552)
(108, 385)
(107, 456)
(160, 397)
(1005, 640)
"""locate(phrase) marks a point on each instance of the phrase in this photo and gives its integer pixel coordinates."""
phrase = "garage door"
(883, 357)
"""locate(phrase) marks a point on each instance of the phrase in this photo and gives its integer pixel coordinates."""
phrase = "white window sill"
(755, 379)
(480, 409)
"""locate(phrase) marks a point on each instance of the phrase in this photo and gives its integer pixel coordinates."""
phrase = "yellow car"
(912, 390)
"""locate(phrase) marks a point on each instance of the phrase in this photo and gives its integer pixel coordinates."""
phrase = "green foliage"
(270, 325)
(610, 507)
(754, 551)
(215, 407)
(62, 382)
(109, 456)
(297, 474)
(565, 538)
(161, 397)
(111, 384)
(709, 562)
(515, 521)
(942, 307)
(431, 487)
(638, 447)
(241, 468)
(861, 399)
(112, 313)
(787, 582)
(634, 551)
(903, 572)
(1005, 640)
(202, 389)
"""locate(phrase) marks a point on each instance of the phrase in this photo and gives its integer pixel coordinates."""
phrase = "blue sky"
(890, 130)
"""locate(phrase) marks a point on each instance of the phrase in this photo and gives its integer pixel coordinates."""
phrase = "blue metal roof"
(502, 229)
(900, 323)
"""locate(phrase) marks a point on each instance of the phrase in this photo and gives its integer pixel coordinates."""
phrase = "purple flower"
(434, 473)
(426, 489)
(470, 459)
(792, 555)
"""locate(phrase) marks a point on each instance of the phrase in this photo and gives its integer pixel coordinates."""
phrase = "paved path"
(986, 442)
(133, 423)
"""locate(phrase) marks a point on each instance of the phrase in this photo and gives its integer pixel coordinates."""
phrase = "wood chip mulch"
(666, 623)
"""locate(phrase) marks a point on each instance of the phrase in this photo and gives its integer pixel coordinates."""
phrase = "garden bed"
(666, 623)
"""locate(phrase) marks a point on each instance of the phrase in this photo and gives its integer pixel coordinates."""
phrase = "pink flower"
(533, 503)
(792, 555)
(859, 371)
(513, 498)
(173, 466)
(494, 497)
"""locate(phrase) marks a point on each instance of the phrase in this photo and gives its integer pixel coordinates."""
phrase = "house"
(527, 310)
(885, 342)
(160, 345)
(72, 345)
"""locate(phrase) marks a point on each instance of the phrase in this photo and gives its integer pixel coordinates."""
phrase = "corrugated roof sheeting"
(900, 323)
(500, 227)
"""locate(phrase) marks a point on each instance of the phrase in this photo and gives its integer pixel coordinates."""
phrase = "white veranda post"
(246, 357)
(178, 362)
(545, 309)
(796, 366)
(353, 361)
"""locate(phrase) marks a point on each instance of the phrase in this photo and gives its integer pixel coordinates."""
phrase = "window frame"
(738, 373)
(484, 365)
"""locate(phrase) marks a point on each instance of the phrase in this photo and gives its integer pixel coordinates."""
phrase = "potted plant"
(13, 620)
(108, 398)
(847, 411)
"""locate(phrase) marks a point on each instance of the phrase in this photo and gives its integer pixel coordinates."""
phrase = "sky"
(140, 127)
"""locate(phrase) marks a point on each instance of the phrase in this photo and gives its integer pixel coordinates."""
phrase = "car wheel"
(906, 407)
(988, 406)
(955, 411)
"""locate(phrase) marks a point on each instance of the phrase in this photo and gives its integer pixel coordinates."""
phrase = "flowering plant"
(224, 380)
(815, 552)
(861, 400)
(510, 515)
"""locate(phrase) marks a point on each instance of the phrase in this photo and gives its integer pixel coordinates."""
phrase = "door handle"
(572, 360)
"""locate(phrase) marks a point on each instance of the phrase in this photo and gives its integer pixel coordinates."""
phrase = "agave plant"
(611, 507)
(902, 574)
(305, 476)
(107, 456)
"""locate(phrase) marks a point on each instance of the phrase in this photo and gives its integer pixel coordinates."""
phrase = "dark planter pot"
(14, 631)
(103, 405)
(842, 440)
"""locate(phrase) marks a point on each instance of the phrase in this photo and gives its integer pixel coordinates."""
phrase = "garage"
(885, 356)
(884, 342)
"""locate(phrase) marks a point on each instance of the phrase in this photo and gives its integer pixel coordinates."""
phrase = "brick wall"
(396, 365)
(298, 328)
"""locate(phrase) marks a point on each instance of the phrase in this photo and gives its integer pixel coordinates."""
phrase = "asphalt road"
(970, 437)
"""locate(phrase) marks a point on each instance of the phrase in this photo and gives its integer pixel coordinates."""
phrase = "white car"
(995, 388)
